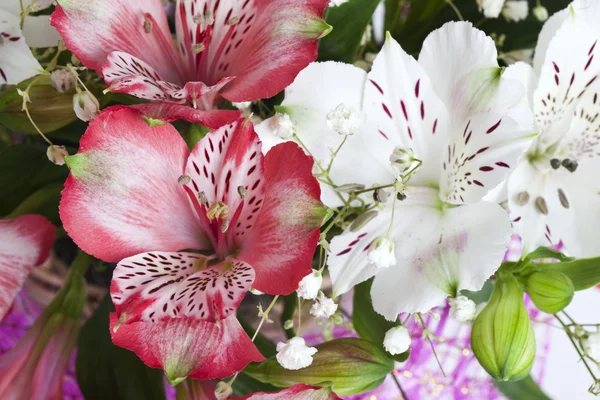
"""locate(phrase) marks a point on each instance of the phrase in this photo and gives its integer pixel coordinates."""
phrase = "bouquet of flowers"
(297, 199)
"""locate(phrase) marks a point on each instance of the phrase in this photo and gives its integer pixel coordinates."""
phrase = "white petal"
(582, 140)
(535, 207)
(404, 111)
(571, 66)
(443, 254)
(39, 33)
(16, 61)
(546, 34)
(452, 52)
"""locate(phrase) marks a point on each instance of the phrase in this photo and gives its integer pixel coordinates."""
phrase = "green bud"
(502, 337)
(352, 365)
(550, 291)
(49, 109)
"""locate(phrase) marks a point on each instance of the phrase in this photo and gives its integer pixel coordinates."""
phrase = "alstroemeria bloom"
(466, 119)
(553, 193)
(255, 220)
(16, 61)
(25, 242)
(240, 50)
(198, 390)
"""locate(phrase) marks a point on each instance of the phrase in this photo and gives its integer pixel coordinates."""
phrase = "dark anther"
(401, 196)
(555, 163)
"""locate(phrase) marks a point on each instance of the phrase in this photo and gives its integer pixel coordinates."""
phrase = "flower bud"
(62, 80)
(515, 11)
(294, 354)
(540, 13)
(310, 285)
(352, 366)
(343, 120)
(323, 307)
(85, 105)
(282, 126)
(381, 253)
(502, 338)
(402, 160)
(223, 390)
(397, 340)
(550, 291)
(57, 154)
(49, 109)
(462, 308)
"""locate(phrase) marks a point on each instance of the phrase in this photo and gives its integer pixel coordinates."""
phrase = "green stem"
(581, 355)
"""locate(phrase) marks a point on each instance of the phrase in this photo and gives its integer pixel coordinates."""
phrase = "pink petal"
(122, 196)
(297, 392)
(156, 285)
(188, 346)
(25, 242)
(170, 112)
(282, 243)
(227, 166)
(94, 28)
(265, 49)
(280, 42)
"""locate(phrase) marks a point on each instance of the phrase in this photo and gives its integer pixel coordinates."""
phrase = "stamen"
(198, 48)
(522, 198)
(564, 201)
(555, 163)
(224, 225)
(541, 205)
(242, 192)
(147, 25)
(233, 21)
(217, 210)
(207, 18)
(203, 199)
(184, 179)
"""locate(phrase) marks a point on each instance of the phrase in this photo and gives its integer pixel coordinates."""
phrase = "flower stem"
(404, 396)
(581, 355)
(264, 317)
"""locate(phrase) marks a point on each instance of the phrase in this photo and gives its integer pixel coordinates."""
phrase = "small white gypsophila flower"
(85, 105)
(401, 160)
(57, 154)
(295, 354)
(282, 126)
(343, 120)
(62, 80)
(256, 292)
(515, 11)
(323, 307)
(381, 253)
(591, 345)
(396, 340)
(242, 105)
(309, 286)
(490, 8)
(223, 390)
(462, 308)
(541, 13)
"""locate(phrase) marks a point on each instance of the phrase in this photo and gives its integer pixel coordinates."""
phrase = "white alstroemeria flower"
(553, 193)
(324, 99)
(16, 61)
(295, 354)
(468, 121)
(490, 8)
(515, 10)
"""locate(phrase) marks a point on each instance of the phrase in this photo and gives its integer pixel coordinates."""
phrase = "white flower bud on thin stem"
(62, 80)
(85, 105)
(515, 11)
(57, 154)
(397, 340)
(310, 285)
(282, 126)
(540, 12)
(381, 253)
(295, 354)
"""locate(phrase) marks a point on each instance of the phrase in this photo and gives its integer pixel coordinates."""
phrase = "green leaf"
(524, 389)
(369, 324)
(24, 170)
(289, 305)
(349, 23)
(264, 345)
(245, 385)
(584, 273)
(352, 365)
(105, 371)
(546, 252)
(43, 201)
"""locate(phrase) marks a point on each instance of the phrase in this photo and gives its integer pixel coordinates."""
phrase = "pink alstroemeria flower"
(240, 50)
(255, 219)
(25, 242)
